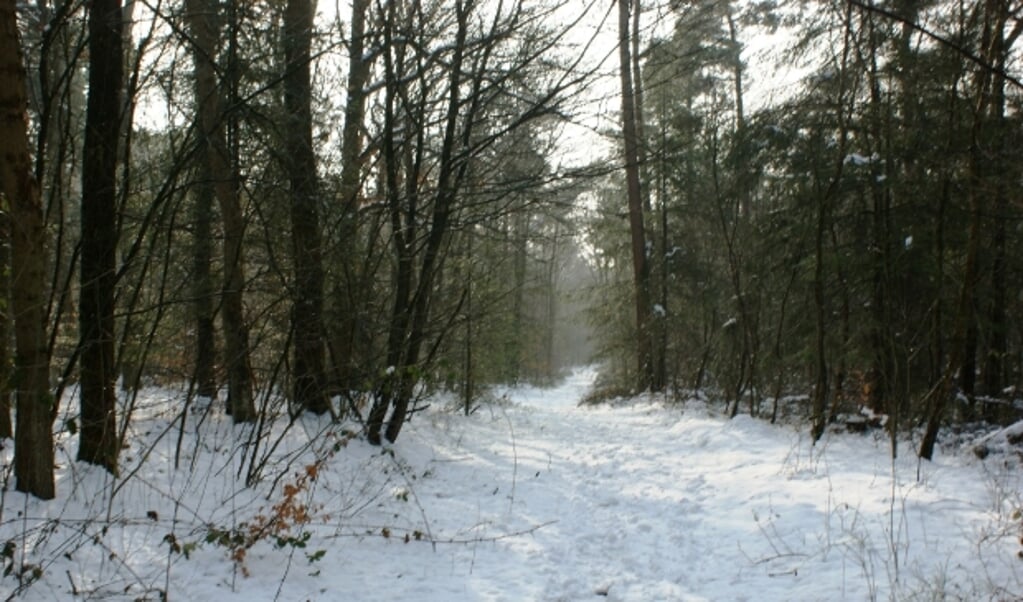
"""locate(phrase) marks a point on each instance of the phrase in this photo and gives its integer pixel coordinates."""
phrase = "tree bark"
(98, 435)
(310, 391)
(19, 195)
(640, 265)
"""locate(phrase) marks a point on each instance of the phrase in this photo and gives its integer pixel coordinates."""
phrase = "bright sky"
(592, 33)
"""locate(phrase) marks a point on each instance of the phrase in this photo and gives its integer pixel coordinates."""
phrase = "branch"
(963, 51)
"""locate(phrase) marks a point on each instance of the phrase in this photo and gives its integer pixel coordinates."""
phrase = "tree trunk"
(657, 320)
(205, 374)
(820, 390)
(202, 16)
(6, 426)
(450, 173)
(823, 218)
(962, 348)
(98, 435)
(310, 391)
(994, 360)
(640, 265)
(468, 368)
(350, 186)
(19, 195)
(403, 232)
(520, 250)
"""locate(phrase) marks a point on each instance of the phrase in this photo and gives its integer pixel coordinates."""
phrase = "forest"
(296, 214)
(802, 212)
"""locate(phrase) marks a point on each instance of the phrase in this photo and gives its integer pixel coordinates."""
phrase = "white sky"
(595, 110)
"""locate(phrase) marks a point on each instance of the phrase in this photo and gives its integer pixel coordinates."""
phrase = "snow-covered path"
(647, 503)
(534, 498)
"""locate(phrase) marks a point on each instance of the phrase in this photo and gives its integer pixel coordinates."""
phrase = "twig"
(74, 587)
(515, 461)
(451, 540)
(415, 498)
(957, 48)
(284, 577)
(494, 538)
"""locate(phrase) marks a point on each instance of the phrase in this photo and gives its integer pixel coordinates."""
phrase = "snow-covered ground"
(529, 498)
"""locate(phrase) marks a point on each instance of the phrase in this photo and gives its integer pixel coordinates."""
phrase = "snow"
(860, 160)
(531, 497)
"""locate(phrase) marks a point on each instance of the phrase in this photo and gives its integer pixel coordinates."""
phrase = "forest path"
(636, 501)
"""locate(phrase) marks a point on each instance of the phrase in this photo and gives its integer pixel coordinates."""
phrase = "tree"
(987, 110)
(453, 88)
(98, 435)
(310, 390)
(203, 17)
(19, 197)
(204, 371)
(640, 263)
(350, 186)
(6, 426)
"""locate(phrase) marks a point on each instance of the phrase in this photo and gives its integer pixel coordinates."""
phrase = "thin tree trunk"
(516, 346)
(820, 390)
(310, 391)
(448, 180)
(937, 398)
(737, 75)
(468, 368)
(657, 324)
(640, 264)
(638, 106)
(884, 353)
(661, 354)
(6, 426)
(98, 435)
(994, 359)
(57, 166)
(821, 386)
(403, 233)
(351, 184)
(19, 195)
(203, 15)
(202, 284)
